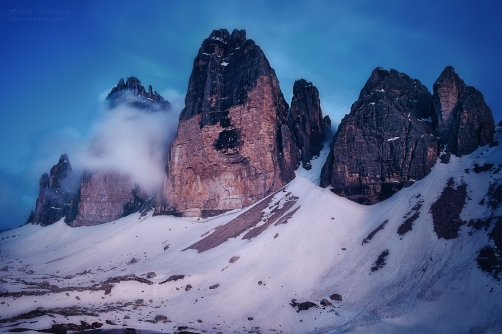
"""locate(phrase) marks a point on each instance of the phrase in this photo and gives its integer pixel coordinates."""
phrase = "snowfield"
(281, 267)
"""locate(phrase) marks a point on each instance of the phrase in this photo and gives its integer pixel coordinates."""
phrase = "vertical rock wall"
(234, 144)
(387, 140)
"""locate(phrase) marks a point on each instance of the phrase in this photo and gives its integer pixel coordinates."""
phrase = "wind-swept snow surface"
(302, 260)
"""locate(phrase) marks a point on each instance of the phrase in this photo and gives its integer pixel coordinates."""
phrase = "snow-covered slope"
(273, 267)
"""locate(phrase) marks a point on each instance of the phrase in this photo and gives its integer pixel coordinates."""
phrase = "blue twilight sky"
(59, 57)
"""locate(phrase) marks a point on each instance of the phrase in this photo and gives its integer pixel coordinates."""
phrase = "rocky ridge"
(396, 129)
(238, 141)
(132, 93)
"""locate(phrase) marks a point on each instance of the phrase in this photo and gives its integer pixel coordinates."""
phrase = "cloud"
(131, 142)
(122, 140)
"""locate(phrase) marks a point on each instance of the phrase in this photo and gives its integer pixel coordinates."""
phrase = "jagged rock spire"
(307, 120)
(55, 194)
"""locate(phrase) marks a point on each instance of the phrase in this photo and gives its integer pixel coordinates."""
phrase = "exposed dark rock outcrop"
(132, 93)
(55, 194)
(465, 122)
(234, 143)
(380, 262)
(309, 127)
(447, 208)
(387, 139)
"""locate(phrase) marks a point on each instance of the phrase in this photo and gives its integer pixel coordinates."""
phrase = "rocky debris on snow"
(278, 210)
(485, 168)
(465, 122)
(336, 297)
(410, 218)
(234, 258)
(304, 306)
(234, 144)
(447, 208)
(151, 274)
(325, 302)
(386, 140)
(380, 262)
(372, 234)
(186, 330)
(215, 286)
(173, 278)
(63, 328)
(246, 221)
(489, 258)
(188, 287)
(445, 158)
(493, 198)
(161, 318)
(284, 219)
(47, 288)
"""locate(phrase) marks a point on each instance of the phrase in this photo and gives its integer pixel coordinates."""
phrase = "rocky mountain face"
(234, 143)
(55, 194)
(99, 196)
(132, 93)
(104, 197)
(309, 127)
(396, 129)
(465, 122)
(387, 140)
(238, 141)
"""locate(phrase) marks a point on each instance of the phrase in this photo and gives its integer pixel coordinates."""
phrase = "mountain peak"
(132, 93)
(234, 113)
(464, 120)
(55, 194)
(385, 141)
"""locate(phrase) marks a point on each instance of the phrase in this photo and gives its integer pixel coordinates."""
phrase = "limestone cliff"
(234, 143)
(104, 196)
(465, 122)
(387, 139)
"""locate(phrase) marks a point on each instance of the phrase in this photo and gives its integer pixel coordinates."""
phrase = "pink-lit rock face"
(234, 144)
